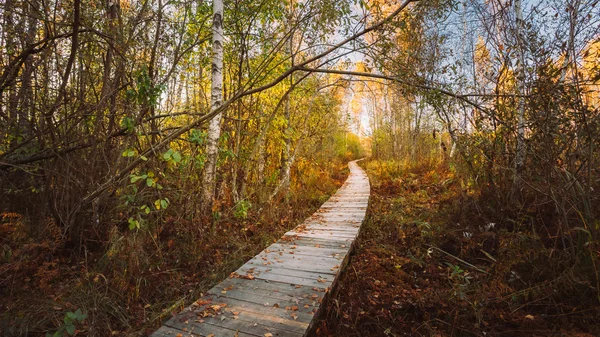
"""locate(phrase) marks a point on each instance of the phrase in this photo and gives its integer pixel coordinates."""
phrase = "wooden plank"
(273, 256)
(256, 324)
(325, 232)
(230, 305)
(292, 290)
(341, 239)
(336, 227)
(307, 250)
(306, 305)
(257, 271)
(192, 326)
(316, 266)
(220, 311)
(302, 297)
(329, 225)
(347, 204)
(165, 331)
(317, 242)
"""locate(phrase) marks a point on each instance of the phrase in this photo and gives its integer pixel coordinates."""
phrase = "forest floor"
(128, 285)
(417, 271)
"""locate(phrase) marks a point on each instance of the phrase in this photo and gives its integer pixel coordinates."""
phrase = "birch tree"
(216, 100)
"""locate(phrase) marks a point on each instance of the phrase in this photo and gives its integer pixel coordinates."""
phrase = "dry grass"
(428, 263)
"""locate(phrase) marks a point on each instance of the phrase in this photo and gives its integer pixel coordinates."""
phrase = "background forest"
(128, 187)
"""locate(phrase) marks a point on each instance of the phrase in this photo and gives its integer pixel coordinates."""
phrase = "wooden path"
(279, 291)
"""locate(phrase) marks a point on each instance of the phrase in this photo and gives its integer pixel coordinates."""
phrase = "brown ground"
(425, 265)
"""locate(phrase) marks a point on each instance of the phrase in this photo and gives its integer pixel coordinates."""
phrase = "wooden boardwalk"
(279, 291)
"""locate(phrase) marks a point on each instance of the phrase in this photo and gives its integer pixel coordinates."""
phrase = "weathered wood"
(281, 289)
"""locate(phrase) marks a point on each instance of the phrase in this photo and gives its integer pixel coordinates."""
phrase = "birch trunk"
(286, 160)
(216, 99)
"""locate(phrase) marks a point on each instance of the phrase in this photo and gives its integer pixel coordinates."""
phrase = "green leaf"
(177, 157)
(79, 315)
(164, 204)
(127, 123)
(133, 224)
(150, 182)
(70, 329)
(128, 153)
(168, 155)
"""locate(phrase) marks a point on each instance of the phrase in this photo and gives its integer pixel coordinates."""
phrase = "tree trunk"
(520, 150)
(216, 98)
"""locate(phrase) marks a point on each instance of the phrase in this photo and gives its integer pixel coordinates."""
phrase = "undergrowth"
(129, 283)
(435, 259)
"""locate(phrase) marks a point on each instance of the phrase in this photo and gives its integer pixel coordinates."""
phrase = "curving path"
(279, 291)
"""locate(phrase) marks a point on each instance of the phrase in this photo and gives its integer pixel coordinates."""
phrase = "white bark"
(216, 100)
